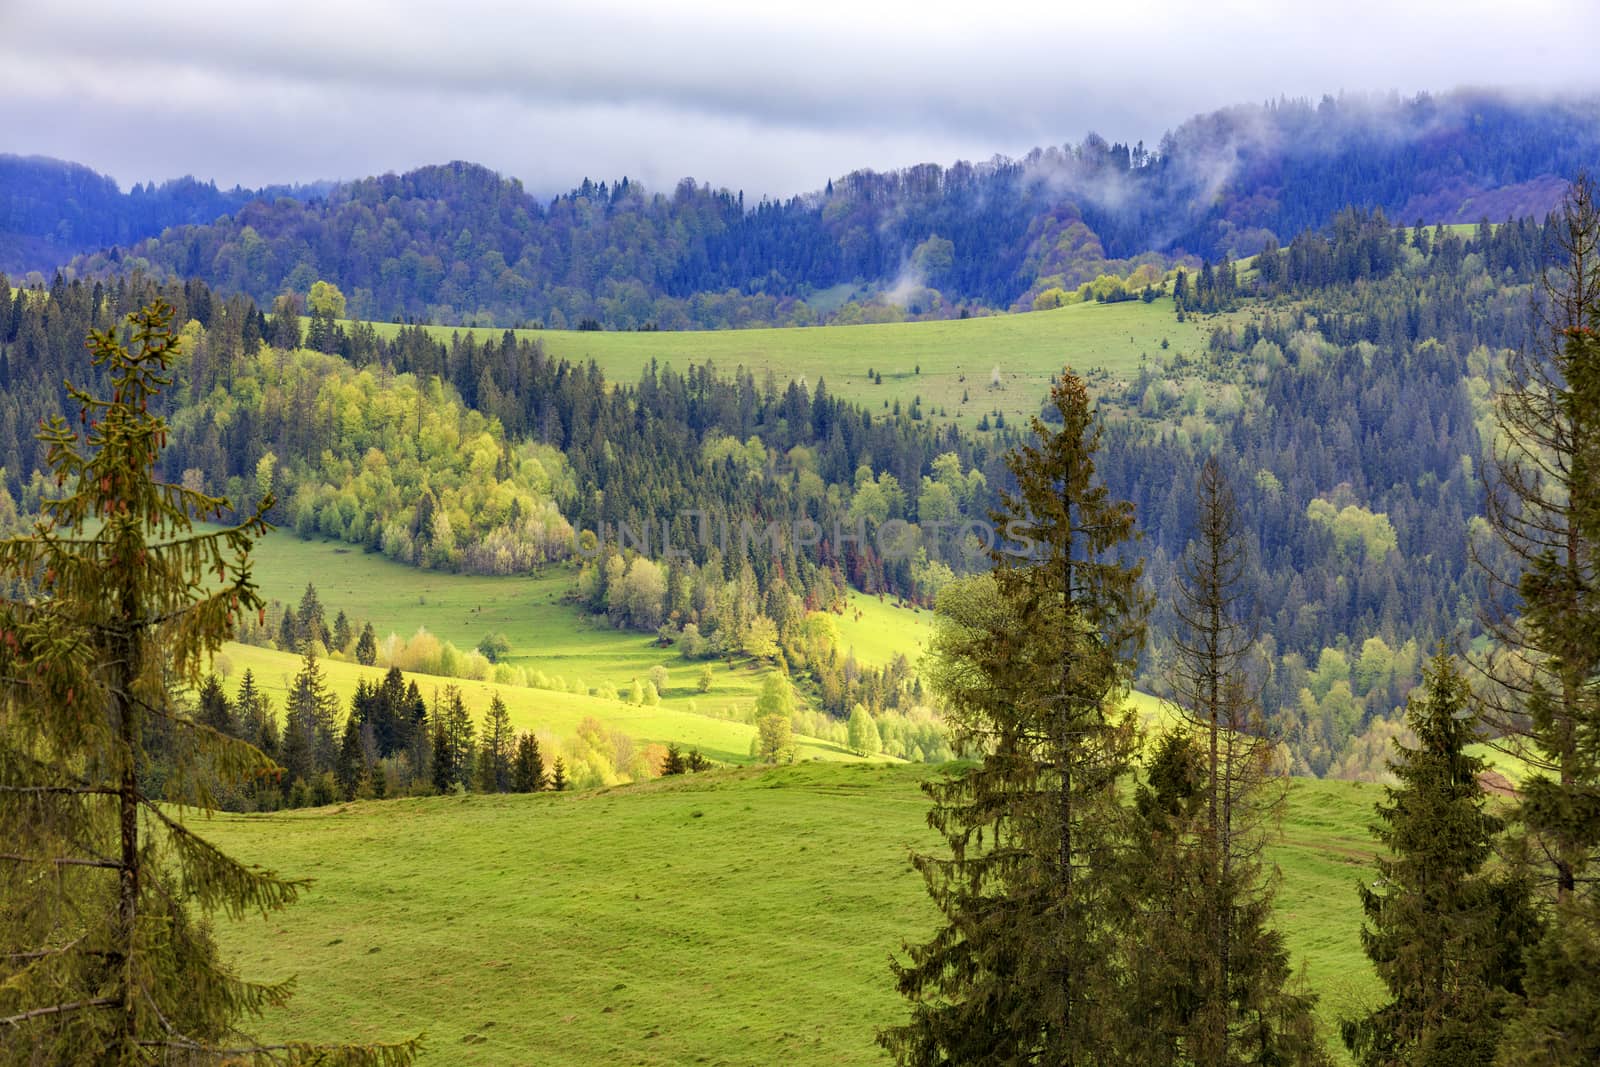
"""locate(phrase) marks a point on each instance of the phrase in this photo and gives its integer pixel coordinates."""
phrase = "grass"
(744, 916)
(954, 356)
(545, 634)
(543, 710)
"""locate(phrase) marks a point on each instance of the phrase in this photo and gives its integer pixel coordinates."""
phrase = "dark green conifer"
(367, 646)
(103, 883)
(1033, 664)
(1445, 934)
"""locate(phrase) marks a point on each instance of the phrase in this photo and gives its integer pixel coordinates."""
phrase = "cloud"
(772, 98)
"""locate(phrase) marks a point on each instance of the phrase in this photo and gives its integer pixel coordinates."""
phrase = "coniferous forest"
(1348, 537)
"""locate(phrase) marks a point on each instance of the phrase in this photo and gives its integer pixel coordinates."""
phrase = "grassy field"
(558, 714)
(741, 917)
(956, 357)
(548, 635)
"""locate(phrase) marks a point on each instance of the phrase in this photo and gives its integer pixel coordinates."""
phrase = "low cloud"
(771, 98)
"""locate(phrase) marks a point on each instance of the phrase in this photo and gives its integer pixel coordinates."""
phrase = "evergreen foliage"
(101, 959)
(1032, 664)
(1445, 930)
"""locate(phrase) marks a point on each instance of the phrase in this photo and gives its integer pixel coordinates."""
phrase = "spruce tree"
(214, 708)
(341, 633)
(1445, 934)
(1544, 505)
(527, 772)
(310, 746)
(351, 766)
(1220, 992)
(102, 957)
(495, 754)
(558, 777)
(367, 646)
(1033, 663)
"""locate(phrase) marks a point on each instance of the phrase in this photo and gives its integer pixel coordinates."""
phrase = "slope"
(736, 917)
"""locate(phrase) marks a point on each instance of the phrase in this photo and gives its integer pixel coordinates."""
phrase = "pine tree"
(558, 777)
(341, 633)
(673, 764)
(101, 959)
(1033, 664)
(1218, 992)
(1445, 935)
(527, 772)
(254, 718)
(288, 640)
(351, 765)
(214, 708)
(495, 754)
(310, 709)
(1544, 505)
(310, 622)
(367, 646)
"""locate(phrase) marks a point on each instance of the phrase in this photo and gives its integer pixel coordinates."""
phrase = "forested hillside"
(460, 244)
(51, 211)
(1346, 378)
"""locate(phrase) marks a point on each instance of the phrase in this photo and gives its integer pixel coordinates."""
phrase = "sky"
(771, 97)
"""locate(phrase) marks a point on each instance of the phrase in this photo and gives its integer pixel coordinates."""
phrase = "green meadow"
(546, 634)
(737, 917)
(554, 713)
(939, 361)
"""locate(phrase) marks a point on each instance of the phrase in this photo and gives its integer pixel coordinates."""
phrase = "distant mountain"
(51, 211)
(458, 243)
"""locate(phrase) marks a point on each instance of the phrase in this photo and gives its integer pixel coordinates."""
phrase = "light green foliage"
(326, 299)
(774, 741)
(1355, 527)
(405, 458)
(864, 732)
(659, 677)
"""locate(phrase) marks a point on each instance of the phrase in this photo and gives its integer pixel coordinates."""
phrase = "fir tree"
(254, 718)
(341, 633)
(351, 765)
(215, 710)
(1544, 505)
(309, 712)
(558, 776)
(495, 753)
(367, 646)
(673, 764)
(310, 622)
(1219, 990)
(527, 774)
(1033, 663)
(1445, 935)
(101, 959)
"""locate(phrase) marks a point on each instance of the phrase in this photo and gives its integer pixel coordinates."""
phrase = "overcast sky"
(769, 96)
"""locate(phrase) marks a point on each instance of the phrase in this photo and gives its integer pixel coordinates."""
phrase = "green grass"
(954, 356)
(545, 634)
(544, 710)
(743, 916)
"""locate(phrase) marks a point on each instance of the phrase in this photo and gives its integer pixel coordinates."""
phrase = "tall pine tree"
(1033, 664)
(1445, 933)
(1218, 991)
(1545, 703)
(102, 960)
